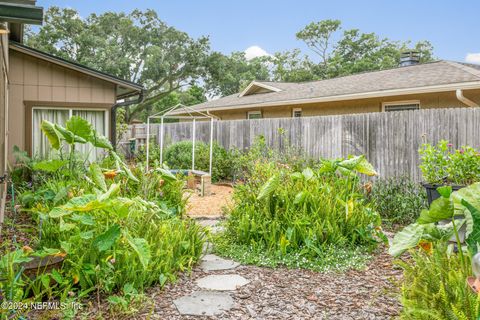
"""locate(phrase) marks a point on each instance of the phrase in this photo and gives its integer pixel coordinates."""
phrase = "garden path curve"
(223, 289)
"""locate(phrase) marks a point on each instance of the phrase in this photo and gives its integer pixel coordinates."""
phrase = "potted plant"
(443, 165)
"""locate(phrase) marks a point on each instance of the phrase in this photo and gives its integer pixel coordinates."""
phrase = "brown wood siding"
(35, 82)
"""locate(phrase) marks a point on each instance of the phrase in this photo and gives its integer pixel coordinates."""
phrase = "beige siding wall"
(35, 82)
(427, 101)
(4, 70)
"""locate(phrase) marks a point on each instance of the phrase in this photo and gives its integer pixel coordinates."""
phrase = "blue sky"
(452, 26)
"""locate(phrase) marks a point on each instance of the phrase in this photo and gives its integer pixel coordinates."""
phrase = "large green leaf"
(113, 190)
(471, 194)
(474, 237)
(351, 163)
(58, 212)
(365, 167)
(49, 165)
(100, 141)
(48, 129)
(358, 164)
(440, 209)
(406, 239)
(307, 174)
(123, 166)
(166, 174)
(97, 176)
(107, 239)
(140, 246)
(79, 127)
(269, 187)
(65, 134)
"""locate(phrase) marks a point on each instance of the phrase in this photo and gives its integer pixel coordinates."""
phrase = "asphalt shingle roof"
(409, 77)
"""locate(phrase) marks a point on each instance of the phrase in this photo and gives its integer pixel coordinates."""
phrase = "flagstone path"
(224, 289)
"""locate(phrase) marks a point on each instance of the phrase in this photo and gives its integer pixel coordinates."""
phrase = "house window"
(40, 145)
(401, 105)
(254, 115)
(297, 112)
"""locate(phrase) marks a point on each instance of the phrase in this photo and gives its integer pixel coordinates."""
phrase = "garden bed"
(288, 294)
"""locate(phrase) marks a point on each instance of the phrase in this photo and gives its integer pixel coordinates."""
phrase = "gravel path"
(297, 294)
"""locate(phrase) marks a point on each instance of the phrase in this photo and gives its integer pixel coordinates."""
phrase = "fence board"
(389, 140)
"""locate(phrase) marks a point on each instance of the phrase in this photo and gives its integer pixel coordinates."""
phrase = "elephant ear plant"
(434, 285)
(77, 130)
(461, 208)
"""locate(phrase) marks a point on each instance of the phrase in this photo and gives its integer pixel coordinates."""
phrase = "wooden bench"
(197, 177)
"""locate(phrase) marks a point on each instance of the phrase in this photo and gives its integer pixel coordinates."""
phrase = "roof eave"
(354, 96)
(134, 87)
(21, 13)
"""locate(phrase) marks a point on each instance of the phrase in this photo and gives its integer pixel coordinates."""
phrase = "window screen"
(402, 107)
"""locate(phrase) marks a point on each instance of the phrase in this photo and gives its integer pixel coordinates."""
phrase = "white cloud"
(473, 58)
(254, 52)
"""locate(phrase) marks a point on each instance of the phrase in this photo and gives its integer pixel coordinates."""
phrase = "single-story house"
(41, 86)
(412, 85)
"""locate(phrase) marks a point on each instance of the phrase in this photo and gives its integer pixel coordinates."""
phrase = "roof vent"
(409, 58)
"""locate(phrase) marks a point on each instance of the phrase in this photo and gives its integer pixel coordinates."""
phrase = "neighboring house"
(440, 84)
(38, 86)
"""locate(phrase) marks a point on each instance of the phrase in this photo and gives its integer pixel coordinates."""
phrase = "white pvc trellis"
(191, 115)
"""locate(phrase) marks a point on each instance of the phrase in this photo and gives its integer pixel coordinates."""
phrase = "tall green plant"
(435, 285)
(286, 211)
(77, 130)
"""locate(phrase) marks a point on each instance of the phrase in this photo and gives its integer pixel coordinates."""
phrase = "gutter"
(351, 96)
(465, 100)
(113, 115)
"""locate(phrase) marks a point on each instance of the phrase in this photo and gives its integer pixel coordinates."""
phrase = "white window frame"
(254, 112)
(297, 110)
(70, 114)
(399, 103)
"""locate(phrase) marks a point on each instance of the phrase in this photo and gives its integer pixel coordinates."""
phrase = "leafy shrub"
(259, 151)
(443, 164)
(284, 211)
(398, 200)
(179, 156)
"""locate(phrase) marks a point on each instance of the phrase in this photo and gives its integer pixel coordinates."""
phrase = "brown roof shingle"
(416, 76)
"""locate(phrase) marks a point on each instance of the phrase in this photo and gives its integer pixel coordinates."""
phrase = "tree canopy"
(137, 46)
(176, 68)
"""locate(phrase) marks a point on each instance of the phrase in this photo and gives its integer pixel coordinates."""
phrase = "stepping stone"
(211, 262)
(212, 224)
(222, 282)
(204, 303)
(207, 247)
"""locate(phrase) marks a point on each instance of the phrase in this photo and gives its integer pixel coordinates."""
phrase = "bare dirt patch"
(210, 206)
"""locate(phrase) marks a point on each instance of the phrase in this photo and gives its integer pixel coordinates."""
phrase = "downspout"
(113, 115)
(465, 100)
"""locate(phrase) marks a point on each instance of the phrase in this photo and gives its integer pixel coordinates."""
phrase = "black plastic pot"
(432, 192)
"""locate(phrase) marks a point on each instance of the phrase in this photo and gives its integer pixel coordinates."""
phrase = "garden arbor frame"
(191, 114)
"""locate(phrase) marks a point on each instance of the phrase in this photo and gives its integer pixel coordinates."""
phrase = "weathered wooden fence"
(390, 140)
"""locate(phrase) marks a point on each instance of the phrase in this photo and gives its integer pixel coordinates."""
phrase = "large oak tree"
(137, 46)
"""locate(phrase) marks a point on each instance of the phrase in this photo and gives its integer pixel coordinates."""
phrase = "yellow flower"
(427, 246)
(109, 174)
(27, 249)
